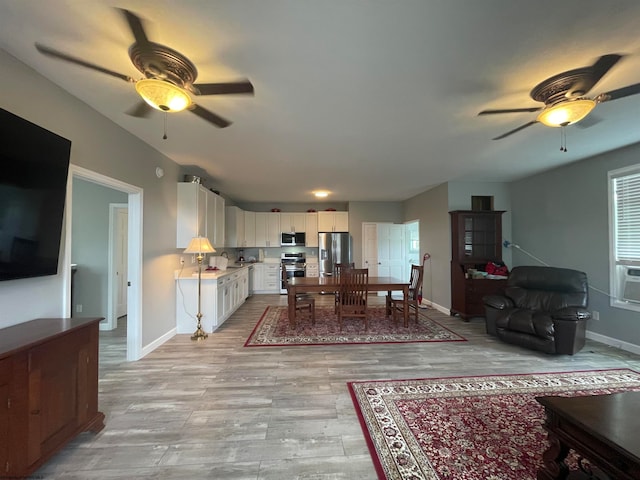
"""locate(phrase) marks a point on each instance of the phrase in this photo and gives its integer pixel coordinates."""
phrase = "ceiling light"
(321, 194)
(162, 95)
(566, 113)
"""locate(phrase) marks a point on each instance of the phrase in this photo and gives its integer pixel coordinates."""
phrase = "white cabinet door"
(311, 230)
(312, 270)
(191, 213)
(258, 277)
(292, 222)
(333, 221)
(234, 227)
(249, 229)
(218, 236)
(272, 278)
(267, 229)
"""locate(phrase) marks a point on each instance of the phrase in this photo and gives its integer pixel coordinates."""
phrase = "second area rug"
(273, 329)
(468, 428)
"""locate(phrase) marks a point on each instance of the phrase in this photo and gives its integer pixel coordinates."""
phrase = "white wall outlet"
(193, 259)
(79, 308)
(595, 315)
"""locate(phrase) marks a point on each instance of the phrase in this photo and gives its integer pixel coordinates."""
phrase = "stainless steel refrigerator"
(333, 248)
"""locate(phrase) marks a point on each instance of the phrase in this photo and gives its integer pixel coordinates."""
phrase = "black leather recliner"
(543, 308)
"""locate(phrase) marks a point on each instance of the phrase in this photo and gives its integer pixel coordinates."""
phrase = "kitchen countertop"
(209, 274)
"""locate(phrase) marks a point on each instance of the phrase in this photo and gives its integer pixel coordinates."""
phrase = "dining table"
(298, 285)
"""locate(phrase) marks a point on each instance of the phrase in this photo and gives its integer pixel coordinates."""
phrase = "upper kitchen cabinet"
(215, 220)
(200, 213)
(249, 229)
(267, 229)
(234, 227)
(293, 222)
(311, 229)
(333, 221)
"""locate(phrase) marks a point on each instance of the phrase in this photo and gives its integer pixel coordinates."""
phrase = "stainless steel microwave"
(288, 239)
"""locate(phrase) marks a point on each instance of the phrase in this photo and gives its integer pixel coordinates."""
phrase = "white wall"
(101, 146)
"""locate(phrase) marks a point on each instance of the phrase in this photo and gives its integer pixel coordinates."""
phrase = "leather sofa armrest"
(498, 302)
(571, 313)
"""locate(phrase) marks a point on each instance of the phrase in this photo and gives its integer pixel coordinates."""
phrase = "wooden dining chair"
(353, 295)
(303, 301)
(339, 268)
(395, 303)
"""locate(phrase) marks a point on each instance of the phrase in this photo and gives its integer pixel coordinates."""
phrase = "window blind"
(627, 217)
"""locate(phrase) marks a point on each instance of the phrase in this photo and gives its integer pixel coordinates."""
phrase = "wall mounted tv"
(34, 164)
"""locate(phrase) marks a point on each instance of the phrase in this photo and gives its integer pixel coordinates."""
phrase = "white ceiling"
(374, 100)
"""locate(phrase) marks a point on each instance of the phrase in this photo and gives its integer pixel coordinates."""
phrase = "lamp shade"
(199, 245)
(566, 113)
(162, 95)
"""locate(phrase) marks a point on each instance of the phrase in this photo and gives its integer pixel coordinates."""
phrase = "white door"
(121, 256)
(370, 248)
(391, 251)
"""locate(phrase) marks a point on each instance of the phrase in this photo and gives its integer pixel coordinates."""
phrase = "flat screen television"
(34, 165)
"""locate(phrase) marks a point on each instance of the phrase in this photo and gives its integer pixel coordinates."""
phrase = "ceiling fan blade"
(516, 130)
(210, 116)
(135, 24)
(593, 75)
(223, 88)
(621, 93)
(50, 52)
(141, 110)
(510, 110)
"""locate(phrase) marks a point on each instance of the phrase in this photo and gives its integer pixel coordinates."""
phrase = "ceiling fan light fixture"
(566, 113)
(162, 95)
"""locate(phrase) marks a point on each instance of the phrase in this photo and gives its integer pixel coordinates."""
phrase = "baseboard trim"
(614, 342)
(159, 341)
(440, 308)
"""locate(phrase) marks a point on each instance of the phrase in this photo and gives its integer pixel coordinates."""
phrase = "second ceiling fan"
(169, 77)
(564, 98)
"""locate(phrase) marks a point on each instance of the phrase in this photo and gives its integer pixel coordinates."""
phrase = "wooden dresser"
(476, 239)
(48, 389)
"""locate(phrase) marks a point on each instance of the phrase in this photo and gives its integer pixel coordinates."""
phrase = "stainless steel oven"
(295, 266)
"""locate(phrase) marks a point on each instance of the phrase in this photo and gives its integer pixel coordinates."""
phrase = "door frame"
(134, 252)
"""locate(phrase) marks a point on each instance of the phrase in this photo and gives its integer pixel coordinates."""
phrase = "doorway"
(133, 253)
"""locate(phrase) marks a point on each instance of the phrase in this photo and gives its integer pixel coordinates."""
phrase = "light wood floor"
(217, 410)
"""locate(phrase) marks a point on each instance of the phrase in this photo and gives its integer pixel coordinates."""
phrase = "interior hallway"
(217, 410)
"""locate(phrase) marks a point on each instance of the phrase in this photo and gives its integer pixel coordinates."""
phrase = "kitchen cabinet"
(215, 219)
(200, 212)
(292, 222)
(311, 229)
(312, 270)
(48, 390)
(476, 239)
(221, 295)
(267, 229)
(333, 221)
(249, 229)
(266, 278)
(234, 227)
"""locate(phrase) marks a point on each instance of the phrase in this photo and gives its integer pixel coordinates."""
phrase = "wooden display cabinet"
(476, 239)
(48, 389)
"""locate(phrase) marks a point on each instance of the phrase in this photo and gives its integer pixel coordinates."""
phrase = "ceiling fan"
(168, 80)
(564, 98)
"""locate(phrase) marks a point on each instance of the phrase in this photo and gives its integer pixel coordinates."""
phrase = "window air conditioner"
(631, 291)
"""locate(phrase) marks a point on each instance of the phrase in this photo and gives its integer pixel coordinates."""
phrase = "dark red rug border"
(246, 343)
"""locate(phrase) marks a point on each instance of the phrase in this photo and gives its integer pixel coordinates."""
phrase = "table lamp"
(199, 246)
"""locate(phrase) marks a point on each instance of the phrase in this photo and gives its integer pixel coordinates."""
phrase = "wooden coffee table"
(604, 429)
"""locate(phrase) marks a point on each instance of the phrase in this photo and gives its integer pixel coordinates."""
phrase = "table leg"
(405, 305)
(291, 303)
(554, 467)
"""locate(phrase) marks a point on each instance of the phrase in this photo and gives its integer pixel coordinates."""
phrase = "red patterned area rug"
(273, 329)
(468, 428)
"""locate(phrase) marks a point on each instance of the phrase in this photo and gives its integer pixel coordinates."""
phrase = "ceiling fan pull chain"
(164, 137)
(563, 139)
